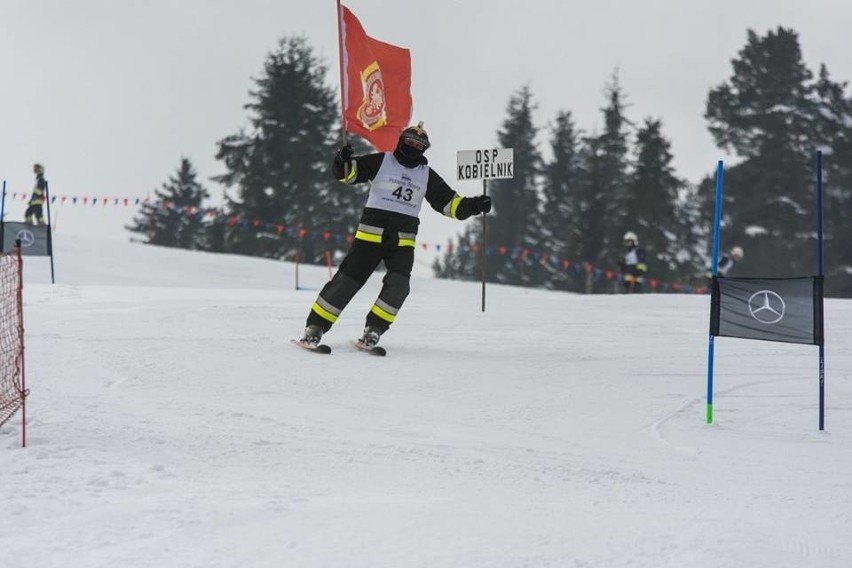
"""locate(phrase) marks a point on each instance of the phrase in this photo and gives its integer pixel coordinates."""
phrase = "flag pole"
(340, 68)
(340, 52)
(821, 274)
(717, 221)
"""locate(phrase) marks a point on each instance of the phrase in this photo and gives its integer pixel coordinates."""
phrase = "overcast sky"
(109, 94)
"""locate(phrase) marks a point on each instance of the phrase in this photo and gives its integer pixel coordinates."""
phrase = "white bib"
(397, 188)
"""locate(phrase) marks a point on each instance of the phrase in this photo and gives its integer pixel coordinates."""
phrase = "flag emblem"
(766, 307)
(26, 237)
(372, 113)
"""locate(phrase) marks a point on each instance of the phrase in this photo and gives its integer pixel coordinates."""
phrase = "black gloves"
(344, 154)
(482, 203)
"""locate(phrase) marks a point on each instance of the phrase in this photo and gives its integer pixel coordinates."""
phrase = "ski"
(377, 350)
(321, 348)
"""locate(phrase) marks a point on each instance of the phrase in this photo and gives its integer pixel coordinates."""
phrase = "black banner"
(34, 239)
(789, 310)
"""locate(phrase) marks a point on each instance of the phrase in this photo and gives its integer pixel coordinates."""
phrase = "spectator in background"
(633, 266)
(34, 213)
(727, 261)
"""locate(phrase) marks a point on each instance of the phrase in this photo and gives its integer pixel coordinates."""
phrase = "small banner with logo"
(770, 309)
(376, 85)
(34, 238)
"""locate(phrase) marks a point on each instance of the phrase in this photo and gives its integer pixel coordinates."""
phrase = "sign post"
(485, 164)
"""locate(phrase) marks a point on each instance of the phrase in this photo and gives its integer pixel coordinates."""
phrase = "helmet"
(414, 140)
(631, 236)
(737, 253)
(38, 168)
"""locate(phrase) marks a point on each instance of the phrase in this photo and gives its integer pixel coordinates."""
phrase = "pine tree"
(279, 166)
(461, 260)
(767, 113)
(602, 190)
(651, 205)
(514, 225)
(835, 136)
(175, 218)
(513, 229)
(560, 218)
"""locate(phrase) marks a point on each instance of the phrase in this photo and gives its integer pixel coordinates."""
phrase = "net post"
(20, 300)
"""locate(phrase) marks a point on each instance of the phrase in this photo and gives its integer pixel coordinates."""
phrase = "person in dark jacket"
(399, 182)
(34, 213)
(633, 266)
(727, 261)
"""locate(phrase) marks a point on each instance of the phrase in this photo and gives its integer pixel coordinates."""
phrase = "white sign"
(494, 163)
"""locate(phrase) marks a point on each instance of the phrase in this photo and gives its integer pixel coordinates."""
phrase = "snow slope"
(170, 424)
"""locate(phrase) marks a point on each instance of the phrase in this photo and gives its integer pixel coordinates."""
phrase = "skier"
(399, 181)
(34, 213)
(633, 267)
(727, 260)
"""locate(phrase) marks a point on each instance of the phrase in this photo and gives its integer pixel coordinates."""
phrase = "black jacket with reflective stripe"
(37, 198)
(438, 193)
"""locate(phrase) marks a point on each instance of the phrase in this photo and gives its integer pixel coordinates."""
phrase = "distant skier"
(727, 261)
(633, 266)
(34, 214)
(399, 182)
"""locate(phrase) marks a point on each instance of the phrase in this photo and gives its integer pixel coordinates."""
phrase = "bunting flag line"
(86, 200)
(524, 255)
(376, 84)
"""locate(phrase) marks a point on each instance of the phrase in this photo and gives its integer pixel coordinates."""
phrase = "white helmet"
(737, 253)
(631, 236)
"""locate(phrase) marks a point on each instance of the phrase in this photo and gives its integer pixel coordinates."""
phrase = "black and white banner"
(34, 238)
(771, 309)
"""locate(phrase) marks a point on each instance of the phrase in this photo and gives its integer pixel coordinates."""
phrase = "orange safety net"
(12, 393)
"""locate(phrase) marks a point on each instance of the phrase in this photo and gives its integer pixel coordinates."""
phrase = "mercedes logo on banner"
(766, 307)
(26, 236)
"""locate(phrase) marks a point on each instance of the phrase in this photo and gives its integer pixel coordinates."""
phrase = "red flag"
(376, 85)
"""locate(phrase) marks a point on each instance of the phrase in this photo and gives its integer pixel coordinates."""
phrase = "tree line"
(772, 113)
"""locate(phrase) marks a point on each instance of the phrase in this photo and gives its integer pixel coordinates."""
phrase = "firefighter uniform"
(399, 183)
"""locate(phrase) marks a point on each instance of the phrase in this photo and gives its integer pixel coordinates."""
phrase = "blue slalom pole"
(717, 221)
(821, 267)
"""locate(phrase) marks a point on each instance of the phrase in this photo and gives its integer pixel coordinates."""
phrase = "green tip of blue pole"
(709, 414)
